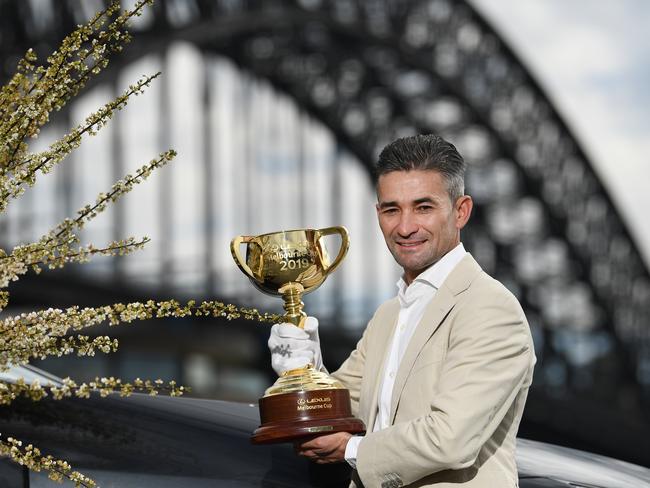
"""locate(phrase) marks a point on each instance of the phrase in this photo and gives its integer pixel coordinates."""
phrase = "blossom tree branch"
(31, 457)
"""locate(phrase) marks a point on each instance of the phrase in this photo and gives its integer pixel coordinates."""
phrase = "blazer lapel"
(442, 302)
(377, 356)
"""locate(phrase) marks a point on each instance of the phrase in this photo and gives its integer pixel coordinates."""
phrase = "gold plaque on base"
(303, 401)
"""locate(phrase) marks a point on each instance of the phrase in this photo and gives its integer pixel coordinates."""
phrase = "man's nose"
(407, 224)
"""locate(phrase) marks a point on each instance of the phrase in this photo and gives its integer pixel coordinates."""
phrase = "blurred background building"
(278, 111)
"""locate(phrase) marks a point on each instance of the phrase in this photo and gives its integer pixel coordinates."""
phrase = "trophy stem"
(292, 294)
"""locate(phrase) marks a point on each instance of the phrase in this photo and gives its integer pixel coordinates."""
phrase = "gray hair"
(425, 152)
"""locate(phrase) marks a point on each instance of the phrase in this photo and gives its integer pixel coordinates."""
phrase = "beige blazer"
(459, 392)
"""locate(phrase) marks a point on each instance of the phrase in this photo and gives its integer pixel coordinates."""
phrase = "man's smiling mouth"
(410, 244)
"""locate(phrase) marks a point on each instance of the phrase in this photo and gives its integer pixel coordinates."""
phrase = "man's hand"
(324, 449)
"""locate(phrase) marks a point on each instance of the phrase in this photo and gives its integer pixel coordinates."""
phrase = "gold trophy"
(302, 401)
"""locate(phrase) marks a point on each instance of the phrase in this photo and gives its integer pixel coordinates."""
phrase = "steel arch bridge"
(373, 70)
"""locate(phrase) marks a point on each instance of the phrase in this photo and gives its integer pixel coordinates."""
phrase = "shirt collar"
(435, 275)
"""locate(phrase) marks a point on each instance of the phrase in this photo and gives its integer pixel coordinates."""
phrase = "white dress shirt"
(413, 299)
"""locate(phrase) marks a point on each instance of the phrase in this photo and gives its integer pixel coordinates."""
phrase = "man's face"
(418, 219)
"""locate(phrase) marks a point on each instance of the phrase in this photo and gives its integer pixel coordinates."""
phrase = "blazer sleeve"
(488, 362)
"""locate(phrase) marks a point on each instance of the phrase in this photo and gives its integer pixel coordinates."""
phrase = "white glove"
(292, 347)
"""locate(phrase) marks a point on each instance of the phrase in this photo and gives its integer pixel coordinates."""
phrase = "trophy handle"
(234, 250)
(345, 244)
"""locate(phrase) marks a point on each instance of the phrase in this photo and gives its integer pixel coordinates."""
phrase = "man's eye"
(424, 208)
(389, 211)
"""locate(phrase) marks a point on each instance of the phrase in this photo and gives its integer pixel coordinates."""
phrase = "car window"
(13, 475)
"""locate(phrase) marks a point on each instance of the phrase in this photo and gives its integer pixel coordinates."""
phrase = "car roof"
(210, 440)
(572, 465)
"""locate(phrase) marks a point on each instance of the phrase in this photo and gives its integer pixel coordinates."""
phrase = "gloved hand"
(292, 347)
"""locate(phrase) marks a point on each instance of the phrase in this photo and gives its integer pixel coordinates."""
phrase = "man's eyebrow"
(417, 201)
(387, 204)
(425, 200)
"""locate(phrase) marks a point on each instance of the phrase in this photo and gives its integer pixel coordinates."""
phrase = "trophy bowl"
(289, 263)
(302, 401)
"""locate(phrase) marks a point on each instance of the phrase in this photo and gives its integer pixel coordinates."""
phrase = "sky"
(593, 60)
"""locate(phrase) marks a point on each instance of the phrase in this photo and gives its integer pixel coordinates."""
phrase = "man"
(441, 373)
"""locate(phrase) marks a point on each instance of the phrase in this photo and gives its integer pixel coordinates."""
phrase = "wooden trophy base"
(287, 417)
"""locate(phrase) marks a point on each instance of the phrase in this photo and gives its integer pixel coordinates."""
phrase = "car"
(158, 441)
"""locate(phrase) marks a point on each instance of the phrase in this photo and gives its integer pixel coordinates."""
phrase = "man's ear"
(464, 207)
